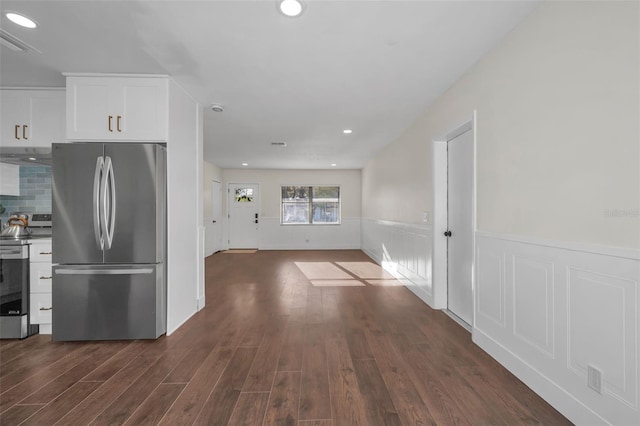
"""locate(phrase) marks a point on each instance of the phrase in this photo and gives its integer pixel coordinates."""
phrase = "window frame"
(310, 206)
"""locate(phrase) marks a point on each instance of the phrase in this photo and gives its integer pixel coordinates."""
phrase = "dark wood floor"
(271, 348)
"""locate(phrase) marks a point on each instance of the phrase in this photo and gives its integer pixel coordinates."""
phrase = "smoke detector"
(217, 108)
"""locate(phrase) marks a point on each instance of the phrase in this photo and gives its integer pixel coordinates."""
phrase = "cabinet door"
(89, 108)
(144, 113)
(32, 118)
(46, 118)
(13, 115)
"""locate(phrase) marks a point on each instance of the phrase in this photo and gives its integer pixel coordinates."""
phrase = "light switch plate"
(426, 217)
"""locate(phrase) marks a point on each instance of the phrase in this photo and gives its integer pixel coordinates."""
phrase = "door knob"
(213, 221)
(447, 233)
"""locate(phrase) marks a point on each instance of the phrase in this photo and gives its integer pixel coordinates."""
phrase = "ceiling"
(369, 66)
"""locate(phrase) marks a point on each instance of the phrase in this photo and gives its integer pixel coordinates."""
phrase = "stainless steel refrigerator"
(109, 241)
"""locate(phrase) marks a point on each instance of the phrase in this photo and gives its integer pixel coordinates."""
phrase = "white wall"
(557, 106)
(185, 273)
(558, 160)
(273, 235)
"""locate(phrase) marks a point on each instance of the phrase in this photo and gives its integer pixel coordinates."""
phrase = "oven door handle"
(104, 271)
(14, 252)
(10, 253)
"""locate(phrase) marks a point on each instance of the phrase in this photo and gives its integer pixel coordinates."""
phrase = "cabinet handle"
(46, 309)
(118, 123)
(46, 278)
(24, 132)
(110, 118)
(45, 252)
(15, 132)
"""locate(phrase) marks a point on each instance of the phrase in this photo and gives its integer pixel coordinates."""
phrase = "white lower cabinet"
(40, 284)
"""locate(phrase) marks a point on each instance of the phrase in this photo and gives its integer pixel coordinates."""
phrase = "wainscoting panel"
(490, 297)
(533, 303)
(548, 311)
(608, 345)
(403, 250)
(274, 236)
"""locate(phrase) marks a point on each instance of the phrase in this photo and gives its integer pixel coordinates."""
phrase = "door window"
(244, 195)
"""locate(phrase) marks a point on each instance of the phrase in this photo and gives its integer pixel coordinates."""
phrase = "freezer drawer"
(108, 302)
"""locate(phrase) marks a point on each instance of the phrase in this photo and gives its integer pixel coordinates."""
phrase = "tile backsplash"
(35, 192)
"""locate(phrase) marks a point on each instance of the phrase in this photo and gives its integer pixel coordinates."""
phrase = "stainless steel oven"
(14, 290)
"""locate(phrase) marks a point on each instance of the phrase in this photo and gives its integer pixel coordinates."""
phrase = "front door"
(243, 205)
(460, 226)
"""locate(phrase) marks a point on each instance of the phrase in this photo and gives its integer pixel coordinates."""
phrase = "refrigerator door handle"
(108, 196)
(97, 222)
(104, 271)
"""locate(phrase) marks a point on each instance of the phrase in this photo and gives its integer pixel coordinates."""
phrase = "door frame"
(440, 213)
(226, 213)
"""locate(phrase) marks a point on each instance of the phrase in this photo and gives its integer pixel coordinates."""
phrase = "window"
(244, 195)
(310, 205)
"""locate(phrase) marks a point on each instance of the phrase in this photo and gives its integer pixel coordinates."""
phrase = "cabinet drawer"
(40, 251)
(40, 308)
(41, 275)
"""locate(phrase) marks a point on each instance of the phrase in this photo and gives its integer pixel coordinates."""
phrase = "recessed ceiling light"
(245, 164)
(333, 164)
(21, 20)
(32, 158)
(290, 8)
(347, 131)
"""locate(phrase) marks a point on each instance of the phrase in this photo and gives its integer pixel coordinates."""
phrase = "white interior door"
(243, 203)
(460, 226)
(213, 221)
(216, 220)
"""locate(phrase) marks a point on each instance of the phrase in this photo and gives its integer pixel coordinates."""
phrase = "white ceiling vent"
(14, 43)
(279, 144)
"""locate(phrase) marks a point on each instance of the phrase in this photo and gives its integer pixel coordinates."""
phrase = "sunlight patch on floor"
(366, 270)
(322, 271)
(347, 274)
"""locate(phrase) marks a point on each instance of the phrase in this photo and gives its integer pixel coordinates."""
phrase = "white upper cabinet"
(117, 108)
(32, 118)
